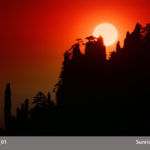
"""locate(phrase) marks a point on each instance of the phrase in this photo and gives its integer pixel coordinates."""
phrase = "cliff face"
(81, 74)
(92, 77)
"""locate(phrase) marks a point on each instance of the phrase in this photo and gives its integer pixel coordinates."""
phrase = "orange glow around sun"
(108, 32)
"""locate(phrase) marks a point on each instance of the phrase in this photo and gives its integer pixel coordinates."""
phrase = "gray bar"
(75, 143)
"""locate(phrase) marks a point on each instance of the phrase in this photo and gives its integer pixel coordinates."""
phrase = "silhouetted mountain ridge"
(95, 96)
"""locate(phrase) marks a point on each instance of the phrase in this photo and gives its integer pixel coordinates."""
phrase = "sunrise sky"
(34, 36)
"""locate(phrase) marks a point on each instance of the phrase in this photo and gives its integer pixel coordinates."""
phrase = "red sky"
(34, 36)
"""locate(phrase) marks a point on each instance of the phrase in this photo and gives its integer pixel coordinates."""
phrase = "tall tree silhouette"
(7, 107)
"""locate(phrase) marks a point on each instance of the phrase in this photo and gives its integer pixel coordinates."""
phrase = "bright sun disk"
(108, 32)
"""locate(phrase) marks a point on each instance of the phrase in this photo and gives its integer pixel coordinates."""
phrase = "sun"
(108, 32)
